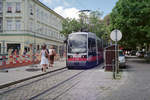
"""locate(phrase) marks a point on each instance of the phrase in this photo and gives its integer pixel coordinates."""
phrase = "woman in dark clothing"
(52, 54)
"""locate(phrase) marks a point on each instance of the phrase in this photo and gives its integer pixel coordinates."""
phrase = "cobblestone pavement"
(27, 72)
(92, 84)
(137, 86)
(39, 86)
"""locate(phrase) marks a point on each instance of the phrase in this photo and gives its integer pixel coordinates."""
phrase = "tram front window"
(77, 43)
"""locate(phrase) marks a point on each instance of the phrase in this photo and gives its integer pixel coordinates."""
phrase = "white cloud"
(48, 2)
(67, 12)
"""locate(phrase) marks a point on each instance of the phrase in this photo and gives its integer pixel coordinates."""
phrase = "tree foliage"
(89, 22)
(70, 25)
(132, 17)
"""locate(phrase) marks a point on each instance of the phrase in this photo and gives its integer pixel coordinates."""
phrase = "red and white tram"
(84, 50)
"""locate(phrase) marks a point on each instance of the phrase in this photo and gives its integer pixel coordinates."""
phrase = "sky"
(71, 8)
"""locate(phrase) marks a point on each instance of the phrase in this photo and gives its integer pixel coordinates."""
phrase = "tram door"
(92, 51)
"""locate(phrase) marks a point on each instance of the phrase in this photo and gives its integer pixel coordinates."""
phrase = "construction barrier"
(16, 60)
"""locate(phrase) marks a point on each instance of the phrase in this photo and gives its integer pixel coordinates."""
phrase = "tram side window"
(0, 48)
(91, 45)
(99, 45)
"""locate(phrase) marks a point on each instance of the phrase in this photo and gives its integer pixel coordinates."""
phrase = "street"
(91, 84)
(137, 86)
(63, 85)
(43, 42)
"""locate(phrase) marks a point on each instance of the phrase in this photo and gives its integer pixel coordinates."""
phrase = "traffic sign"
(116, 35)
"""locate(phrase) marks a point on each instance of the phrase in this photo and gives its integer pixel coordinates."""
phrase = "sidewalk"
(17, 75)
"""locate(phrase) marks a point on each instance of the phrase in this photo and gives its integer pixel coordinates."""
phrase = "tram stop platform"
(16, 75)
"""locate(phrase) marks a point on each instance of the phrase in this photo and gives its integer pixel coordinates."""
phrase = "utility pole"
(34, 48)
(33, 66)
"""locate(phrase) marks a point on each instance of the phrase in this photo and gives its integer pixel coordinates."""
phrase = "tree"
(90, 22)
(96, 24)
(132, 17)
(70, 25)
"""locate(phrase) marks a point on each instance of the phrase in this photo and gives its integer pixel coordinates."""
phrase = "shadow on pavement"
(139, 60)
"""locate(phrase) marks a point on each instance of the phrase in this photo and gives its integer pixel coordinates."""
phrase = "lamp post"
(34, 67)
(34, 50)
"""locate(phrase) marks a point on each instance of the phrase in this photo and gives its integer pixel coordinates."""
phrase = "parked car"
(137, 53)
(122, 60)
(140, 54)
(133, 52)
(147, 55)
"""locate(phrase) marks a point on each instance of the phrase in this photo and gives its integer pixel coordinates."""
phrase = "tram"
(84, 50)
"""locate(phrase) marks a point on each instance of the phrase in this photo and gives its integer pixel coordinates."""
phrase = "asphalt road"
(137, 85)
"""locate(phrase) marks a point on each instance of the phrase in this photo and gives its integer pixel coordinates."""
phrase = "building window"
(0, 28)
(37, 12)
(0, 21)
(14, 46)
(9, 7)
(31, 26)
(1, 7)
(0, 25)
(0, 48)
(18, 7)
(31, 9)
(9, 25)
(38, 28)
(18, 25)
(46, 17)
(42, 15)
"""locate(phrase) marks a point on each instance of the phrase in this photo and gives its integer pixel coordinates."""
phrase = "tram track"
(37, 80)
(29, 78)
(57, 85)
(49, 89)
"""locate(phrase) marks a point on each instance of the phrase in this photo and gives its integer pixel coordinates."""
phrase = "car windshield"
(77, 43)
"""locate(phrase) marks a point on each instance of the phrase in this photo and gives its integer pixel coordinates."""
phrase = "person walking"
(44, 58)
(52, 54)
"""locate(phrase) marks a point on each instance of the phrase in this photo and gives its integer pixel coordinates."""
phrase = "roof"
(42, 4)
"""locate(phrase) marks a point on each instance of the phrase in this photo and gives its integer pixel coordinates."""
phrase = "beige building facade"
(25, 23)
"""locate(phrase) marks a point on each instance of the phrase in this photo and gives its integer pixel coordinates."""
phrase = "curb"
(25, 79)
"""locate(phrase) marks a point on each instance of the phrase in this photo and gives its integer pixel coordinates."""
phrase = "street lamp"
(34, 50)
(34, 47)
(33, 67)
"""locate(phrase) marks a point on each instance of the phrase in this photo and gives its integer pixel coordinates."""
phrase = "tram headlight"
(84, 56)
(70, 56)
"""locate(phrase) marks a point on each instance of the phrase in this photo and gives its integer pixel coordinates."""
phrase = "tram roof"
(83, 33)
(89, 33)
